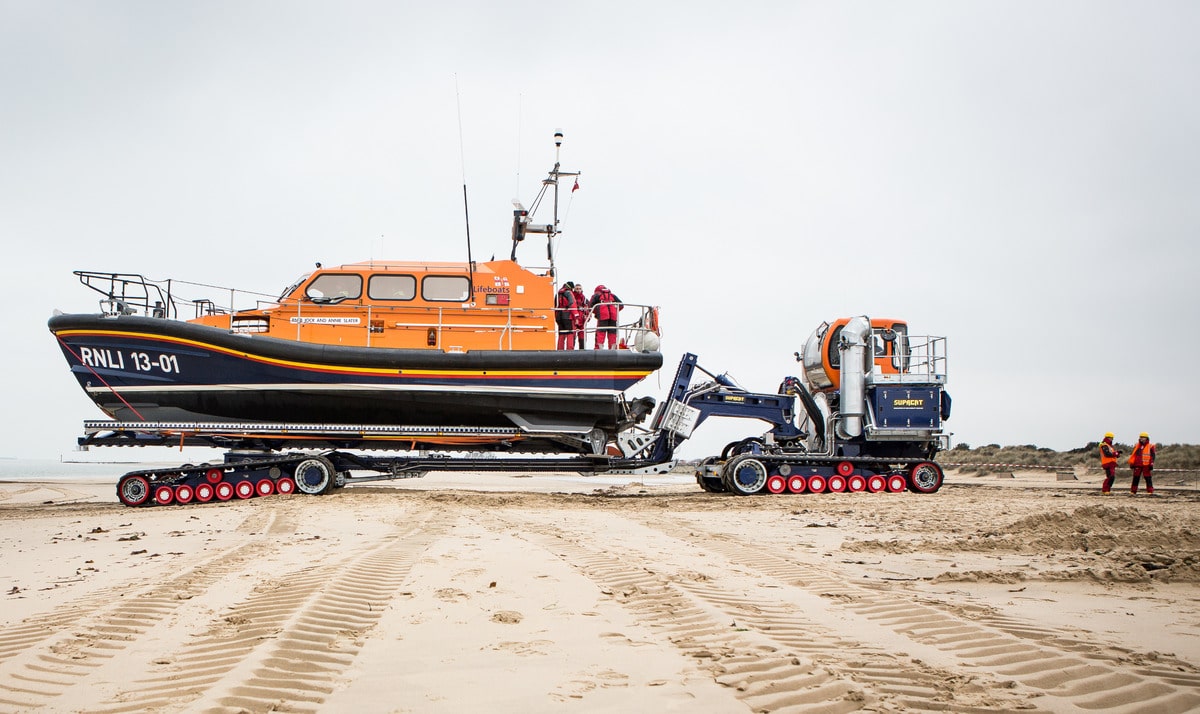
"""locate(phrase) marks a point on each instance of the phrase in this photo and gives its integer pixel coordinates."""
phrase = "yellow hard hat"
(1143, 435)
(1108, 435)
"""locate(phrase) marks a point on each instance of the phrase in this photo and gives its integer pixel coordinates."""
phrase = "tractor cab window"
(891, 347)
(446, 288)
(835, 354)
(334, 288)
(901, 352)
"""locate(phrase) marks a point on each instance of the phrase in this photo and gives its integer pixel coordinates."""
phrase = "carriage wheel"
(204, 492)
(133, 490)
(164, 494)
(184, 494)
(925, 477)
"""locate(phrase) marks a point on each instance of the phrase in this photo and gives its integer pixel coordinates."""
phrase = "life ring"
(652, 321)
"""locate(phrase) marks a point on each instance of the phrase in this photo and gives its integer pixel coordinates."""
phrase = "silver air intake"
(853, 346)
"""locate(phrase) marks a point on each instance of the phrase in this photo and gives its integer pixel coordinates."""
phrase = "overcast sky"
(1021, 177)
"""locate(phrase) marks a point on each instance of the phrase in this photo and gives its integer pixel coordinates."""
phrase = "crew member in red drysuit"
(566, 311)
(605, 307)
(581, 317)
(1108, 462)
(1142, 461)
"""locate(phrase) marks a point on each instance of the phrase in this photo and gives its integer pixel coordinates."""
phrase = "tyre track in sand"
(1070, 674)
(44, 656)
(285, 646)
(775, 657)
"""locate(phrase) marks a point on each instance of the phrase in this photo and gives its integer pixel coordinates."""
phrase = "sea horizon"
(16, 468)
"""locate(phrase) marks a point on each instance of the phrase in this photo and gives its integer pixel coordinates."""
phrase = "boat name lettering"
(491, 289)
(138, 361)
(325, 321)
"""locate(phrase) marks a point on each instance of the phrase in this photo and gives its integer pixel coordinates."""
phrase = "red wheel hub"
(204, 492)
(224, 491)
(163, 495)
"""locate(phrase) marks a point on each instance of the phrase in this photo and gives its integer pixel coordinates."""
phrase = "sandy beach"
(504, 593)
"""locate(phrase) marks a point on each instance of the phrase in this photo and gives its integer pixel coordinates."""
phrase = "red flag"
(575, 187)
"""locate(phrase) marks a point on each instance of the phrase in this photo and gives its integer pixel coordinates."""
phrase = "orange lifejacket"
(1143, 455)
(1108, 455)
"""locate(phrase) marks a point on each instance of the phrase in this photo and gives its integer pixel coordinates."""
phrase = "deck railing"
(923, 359)
(259, 313)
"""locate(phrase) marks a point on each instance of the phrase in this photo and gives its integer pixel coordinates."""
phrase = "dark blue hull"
(149, 369)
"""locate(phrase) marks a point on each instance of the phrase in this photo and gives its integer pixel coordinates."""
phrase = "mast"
(522, 218)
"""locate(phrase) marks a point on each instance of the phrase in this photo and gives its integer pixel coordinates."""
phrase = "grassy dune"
(1170, 456)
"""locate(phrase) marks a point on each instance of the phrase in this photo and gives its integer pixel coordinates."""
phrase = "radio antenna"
(520, 123)
(462, 158)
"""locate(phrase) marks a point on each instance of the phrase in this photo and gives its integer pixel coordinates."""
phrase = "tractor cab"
(888, 352)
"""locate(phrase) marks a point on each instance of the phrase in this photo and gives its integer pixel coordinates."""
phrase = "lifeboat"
(467, 344)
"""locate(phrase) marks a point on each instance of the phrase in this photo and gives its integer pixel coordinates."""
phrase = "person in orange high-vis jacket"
(1108, 462)
(1142, 461)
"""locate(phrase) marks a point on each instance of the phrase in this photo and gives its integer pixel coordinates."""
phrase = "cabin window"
(332, 286)
(292, 288)
(446, 288)
(392, 287)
